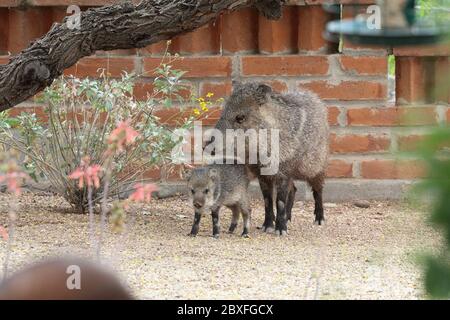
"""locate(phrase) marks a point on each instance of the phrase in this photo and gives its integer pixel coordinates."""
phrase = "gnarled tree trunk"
(121, 26)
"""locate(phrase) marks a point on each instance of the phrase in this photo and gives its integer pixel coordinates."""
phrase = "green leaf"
(437, 278)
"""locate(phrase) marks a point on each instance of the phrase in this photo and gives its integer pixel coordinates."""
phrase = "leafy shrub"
(81, 115)
(435, 152)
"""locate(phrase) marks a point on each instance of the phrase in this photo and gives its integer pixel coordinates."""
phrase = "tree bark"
(121, 26)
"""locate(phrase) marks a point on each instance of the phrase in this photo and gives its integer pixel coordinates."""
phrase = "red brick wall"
(288, 54)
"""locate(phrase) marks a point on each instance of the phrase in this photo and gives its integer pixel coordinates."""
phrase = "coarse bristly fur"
(217, 185)
(301, 119)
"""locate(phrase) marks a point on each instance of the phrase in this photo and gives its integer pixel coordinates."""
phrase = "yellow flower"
(200, 99)
(196, 112)
(209, 94)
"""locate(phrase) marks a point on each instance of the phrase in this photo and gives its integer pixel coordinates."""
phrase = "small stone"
(330, 205)
(362, 204)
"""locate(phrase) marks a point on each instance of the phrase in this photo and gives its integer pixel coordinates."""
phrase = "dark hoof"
(245, 235)
(216, 236)
(192, 235)
(232, 228)
(268, 229)
(319, 222)
(281, 233)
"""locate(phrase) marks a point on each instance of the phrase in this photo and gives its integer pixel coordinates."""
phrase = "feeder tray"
(358, 32)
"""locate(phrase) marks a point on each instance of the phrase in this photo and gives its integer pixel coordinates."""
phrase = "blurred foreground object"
(64, 279)
(389, 23)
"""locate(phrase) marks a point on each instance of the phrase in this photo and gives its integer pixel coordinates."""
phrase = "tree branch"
(121, 26)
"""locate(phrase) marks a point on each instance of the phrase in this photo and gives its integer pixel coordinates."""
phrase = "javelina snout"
(202, 184)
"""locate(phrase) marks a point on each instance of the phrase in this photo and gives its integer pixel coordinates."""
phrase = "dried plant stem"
(107, 181)
(91, 217)
(11, 233)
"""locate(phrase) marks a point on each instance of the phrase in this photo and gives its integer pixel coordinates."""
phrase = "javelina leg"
(234, 219)
(290, 202)
(282, 196)
(267, 191)
(246, 215)
(196, 224)
(317, 186)
(215, 221)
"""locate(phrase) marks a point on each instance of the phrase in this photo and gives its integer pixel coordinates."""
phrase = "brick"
(220, 89)
(279, 36)
(409, 142)
(413, 141)
(157, 174)
(59, 13)
(173, 116)
(277, 85)
(333, 115)
(157, 49)
(4, 27)
(240, 31)
(414, 77)
(89, 66)
(339, 169)
(284, 65)
(9, 3)
(22, 32)
(223, 89)
(66, 3)
(442, 49)
(353, 143)
(348, 90)
(204, 40)
(312, 22)
(380, 117)
(392, 169)
(442, 79)
(4, 59)
(143, 90)
(196, 67)
(38, 110)
(119, 52)
(364, 65)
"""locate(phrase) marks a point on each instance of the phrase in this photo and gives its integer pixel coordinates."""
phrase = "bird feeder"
(389, 23)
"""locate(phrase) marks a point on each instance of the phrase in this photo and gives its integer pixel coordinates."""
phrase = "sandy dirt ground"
(360, 253)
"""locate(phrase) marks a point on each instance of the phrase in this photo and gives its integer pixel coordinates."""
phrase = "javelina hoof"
(245, 235)
(216, 236)
(232, 227)
(281, 233)
(268, 229)
(319, 222)
(193, 235)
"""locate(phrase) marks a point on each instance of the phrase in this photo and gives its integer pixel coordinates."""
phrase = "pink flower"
(143, 192)
(86, 173)
(122, 136)
(4, 233)
(13, 181)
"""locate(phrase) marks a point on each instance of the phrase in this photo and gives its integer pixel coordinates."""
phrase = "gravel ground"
(359, 253)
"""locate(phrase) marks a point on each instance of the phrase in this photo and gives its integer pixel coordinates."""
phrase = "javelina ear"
(186, 173)
(264, 89)
(213, 174)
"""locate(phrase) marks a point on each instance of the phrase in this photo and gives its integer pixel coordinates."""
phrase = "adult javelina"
(301, 119)
(214, 186)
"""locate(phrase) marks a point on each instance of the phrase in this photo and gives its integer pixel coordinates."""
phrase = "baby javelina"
(217, 185)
